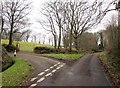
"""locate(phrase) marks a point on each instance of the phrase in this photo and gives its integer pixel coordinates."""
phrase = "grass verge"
(114, 75)
(64, 56)
(18, 72)
(104, 57)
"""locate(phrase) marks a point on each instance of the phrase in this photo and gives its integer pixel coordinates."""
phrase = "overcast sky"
(35, 15)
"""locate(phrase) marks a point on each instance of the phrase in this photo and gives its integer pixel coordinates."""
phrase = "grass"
(111, 61)
(64, 56)
(27, 46)
(105, 59)
(14, 75)
(111, 71)
(104, 56)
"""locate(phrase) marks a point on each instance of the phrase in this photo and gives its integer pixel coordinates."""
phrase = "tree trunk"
(76, 43)
(1, 50)
(2, 24)
(11, 34)
(59, 41)
(55, 42)
(11, 31)
(118, 31)
(118, 42)
(65, 42)
(70, 47)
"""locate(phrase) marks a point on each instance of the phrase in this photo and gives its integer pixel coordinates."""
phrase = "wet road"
(86, 71)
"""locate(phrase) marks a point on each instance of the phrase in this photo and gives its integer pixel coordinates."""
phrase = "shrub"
(10, 48)
(6, 60)
(42, 50)
(96, 50)
(115, 62)
(46, 50)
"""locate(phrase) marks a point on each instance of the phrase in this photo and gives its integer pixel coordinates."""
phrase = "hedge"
(46, 50)
(10, 48)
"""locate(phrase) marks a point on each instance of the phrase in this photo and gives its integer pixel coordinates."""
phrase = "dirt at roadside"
(112, 75)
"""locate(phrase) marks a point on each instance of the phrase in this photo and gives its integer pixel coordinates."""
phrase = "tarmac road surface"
(86, 71)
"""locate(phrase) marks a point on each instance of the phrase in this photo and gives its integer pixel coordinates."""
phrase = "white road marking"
(33, 85)
(58, 63)
(51, 67)
(61, 65)
(55, 65)
(41, 73)
(47, 70)
(54, 71)
(49, 74)
(58, 68)
(33, 79)
(40, 80)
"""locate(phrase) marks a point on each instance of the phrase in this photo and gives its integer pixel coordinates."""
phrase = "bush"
(6, 60)
(96, 50)
(42, 50)
(115, 62)
(10, 48)
(46, 50)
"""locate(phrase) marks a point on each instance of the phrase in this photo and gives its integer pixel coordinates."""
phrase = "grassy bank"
(27, 46)
(14, 75)
(104, 57)
(109, 60)
(108, 68)
(64, 56)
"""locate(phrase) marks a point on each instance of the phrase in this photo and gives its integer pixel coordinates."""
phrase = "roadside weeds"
(114, 76)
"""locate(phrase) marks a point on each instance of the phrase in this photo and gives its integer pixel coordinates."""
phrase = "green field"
(14, 75)
(64, 56)
(27, 46)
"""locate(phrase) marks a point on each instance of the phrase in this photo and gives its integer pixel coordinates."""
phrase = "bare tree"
(118, 31)
(111, 36)
(50, 38)
(15, 12)
(44, 36)
(112, 42)
(89, 41)
(85, 16)
(66, 39)
(49, 23)
(74, 16)
(39, 40)
(1, 19)
(57, 8)
(26, 35)
(35, 38)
